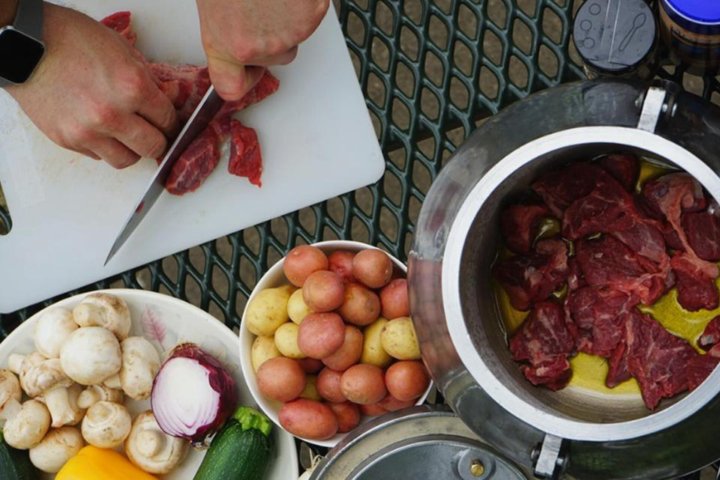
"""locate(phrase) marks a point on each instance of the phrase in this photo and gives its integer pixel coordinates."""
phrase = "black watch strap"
(29, 18)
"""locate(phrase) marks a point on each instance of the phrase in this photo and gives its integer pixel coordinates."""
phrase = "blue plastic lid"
(700, 11)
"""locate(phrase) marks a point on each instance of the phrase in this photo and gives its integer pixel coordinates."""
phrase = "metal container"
(458, 322)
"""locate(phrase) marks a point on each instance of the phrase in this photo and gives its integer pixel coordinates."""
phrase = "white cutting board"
(315, 133)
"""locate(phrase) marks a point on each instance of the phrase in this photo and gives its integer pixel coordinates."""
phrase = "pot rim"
(557, 424)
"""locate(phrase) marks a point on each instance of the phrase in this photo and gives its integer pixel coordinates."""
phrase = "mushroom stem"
(62, 404)
(15, 362)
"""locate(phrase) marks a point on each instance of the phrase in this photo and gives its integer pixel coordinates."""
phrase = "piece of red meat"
(245, 156)
(120, 22)
(670, 195)
(618, 363)
(519, 225)
(656, 358)
(624, 167)
(696, 289)
(607, 262)
(703, 233)
(560, 188)
(184, 85)
(699, 367)
(711, 335)
(531, 278)
(196, 163)
(545, 341)
(599, 315)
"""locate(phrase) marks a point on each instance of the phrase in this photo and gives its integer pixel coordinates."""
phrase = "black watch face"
(19, 54)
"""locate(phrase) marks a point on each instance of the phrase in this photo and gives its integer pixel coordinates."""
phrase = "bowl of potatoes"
(327, 342)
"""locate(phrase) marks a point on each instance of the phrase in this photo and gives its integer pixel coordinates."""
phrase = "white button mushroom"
(96, 393)
(104, 310)
(10, 395)
(63, 405)
(90, 355)
(151, 449)
(52, 328)
(28, 427)
(58, 446)
(140, 364)
(106, 425)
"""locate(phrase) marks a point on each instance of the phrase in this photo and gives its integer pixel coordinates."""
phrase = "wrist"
(7, 12)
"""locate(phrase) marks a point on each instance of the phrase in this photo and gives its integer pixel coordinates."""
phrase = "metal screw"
(477, 468)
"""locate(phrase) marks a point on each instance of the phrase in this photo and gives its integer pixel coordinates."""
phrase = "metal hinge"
(549, 458)
(653, 105)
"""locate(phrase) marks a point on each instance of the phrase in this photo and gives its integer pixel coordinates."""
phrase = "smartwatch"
(21, 46)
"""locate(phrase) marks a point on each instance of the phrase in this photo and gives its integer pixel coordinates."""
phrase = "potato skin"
(301, 261)
(340, 262)
(323, 291)
(268, 310)
(281, 379)
(406, 380)
(392, 404)
(373, 352)
(363, 384)
(398, 339)
(309, 419)
(311, 365)
(297, 308)
(360, 306)
(372, 410)
(286, 340)
(328, 385)
(263, 348)
(348, 415)
(372, 267)
(321, 334)
(349, 352)
(394, 299)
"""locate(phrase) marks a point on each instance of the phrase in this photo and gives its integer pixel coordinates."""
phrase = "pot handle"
(549, 458)
(653, 106)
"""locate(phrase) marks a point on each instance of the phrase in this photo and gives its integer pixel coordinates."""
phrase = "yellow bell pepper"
(92, 463)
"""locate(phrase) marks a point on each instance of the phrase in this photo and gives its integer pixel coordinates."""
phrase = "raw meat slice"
(624, 167)
(519, 225)
(562, 187)
(696, 289)
(711, 335)
(575, 279)
(618, 364)
(607, 262)
(120, 22)
(245, 156)
(703, 233)
(670, 195)
(544, 341)
(699, 367)
(531, 278)
(196, 163)
(599, 314)
(656, 358)
(184, 85)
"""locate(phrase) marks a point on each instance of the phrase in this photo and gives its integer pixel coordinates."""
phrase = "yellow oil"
(589, 371)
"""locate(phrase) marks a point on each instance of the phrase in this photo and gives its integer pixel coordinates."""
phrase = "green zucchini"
(15, 464)
(241, 450)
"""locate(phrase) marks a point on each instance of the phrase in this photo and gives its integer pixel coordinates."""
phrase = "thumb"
(232, 80)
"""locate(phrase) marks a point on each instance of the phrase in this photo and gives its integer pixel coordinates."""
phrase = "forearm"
(7, 11)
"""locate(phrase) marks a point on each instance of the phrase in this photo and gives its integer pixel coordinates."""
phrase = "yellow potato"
(399, 340)
(297, 308)
(373, 352)
(268, 310)
(286, 340)
(263, 348)
(310, 392)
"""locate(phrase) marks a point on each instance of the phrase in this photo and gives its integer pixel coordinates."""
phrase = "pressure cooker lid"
(421, 442)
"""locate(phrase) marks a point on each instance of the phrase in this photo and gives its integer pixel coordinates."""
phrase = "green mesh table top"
(431, 71)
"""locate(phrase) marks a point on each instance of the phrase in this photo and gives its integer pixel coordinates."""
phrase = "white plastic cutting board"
(315, 133)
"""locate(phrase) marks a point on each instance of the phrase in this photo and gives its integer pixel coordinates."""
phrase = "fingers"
(113, 152)
(280, 59)
(232, 81)
(159, 111)
(138, 135)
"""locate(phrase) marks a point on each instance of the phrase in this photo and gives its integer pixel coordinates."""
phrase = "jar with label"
(691, 30)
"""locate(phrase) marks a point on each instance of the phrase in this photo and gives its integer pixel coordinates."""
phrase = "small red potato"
(309, 419)
(323, 291)
(361, 306)
(372, 267)
(392, 404)
(311, 365)
(321, 334)
(349, 352)
(328, 385)
(348, 415)
(406, 380)
(394, 299)
(363, 384)
(372, 410)
(281, 379)
(301, 261)
(340, 262)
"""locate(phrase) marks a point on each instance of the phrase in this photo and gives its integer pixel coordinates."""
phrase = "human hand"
(92, 94)
(241, 37)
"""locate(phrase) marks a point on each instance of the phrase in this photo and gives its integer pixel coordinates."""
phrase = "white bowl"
(167, 321)
(275, 277)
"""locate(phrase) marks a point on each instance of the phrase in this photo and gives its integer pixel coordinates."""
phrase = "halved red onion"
(192, 394)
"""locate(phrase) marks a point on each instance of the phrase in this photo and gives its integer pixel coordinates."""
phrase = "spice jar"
(691, 30)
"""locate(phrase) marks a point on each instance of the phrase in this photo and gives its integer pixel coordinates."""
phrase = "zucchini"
(15, 464)
(241, 450)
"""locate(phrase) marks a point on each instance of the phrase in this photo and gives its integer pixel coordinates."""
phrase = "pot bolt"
(477, 469)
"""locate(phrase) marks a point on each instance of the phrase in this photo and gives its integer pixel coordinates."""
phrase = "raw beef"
(711, 335)
(245, 156)
(545, 341)
(531, 278)
(607, 262)
(618, 364)
(562, 187)
(624, 167)
(519, 225)
(696, 289)
(184, 85)
(671, 194)
(699, 367)
(703, 233)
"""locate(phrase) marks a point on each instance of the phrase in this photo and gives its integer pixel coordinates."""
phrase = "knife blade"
(199, 120)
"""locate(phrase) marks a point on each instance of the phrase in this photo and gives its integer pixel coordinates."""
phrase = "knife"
(199, 120)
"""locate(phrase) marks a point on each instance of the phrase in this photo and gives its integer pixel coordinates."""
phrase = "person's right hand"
(91, 93)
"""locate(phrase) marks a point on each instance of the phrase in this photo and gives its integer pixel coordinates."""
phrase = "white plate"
(167, 321)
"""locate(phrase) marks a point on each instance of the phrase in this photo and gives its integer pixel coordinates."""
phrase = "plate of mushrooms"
(128, 381)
